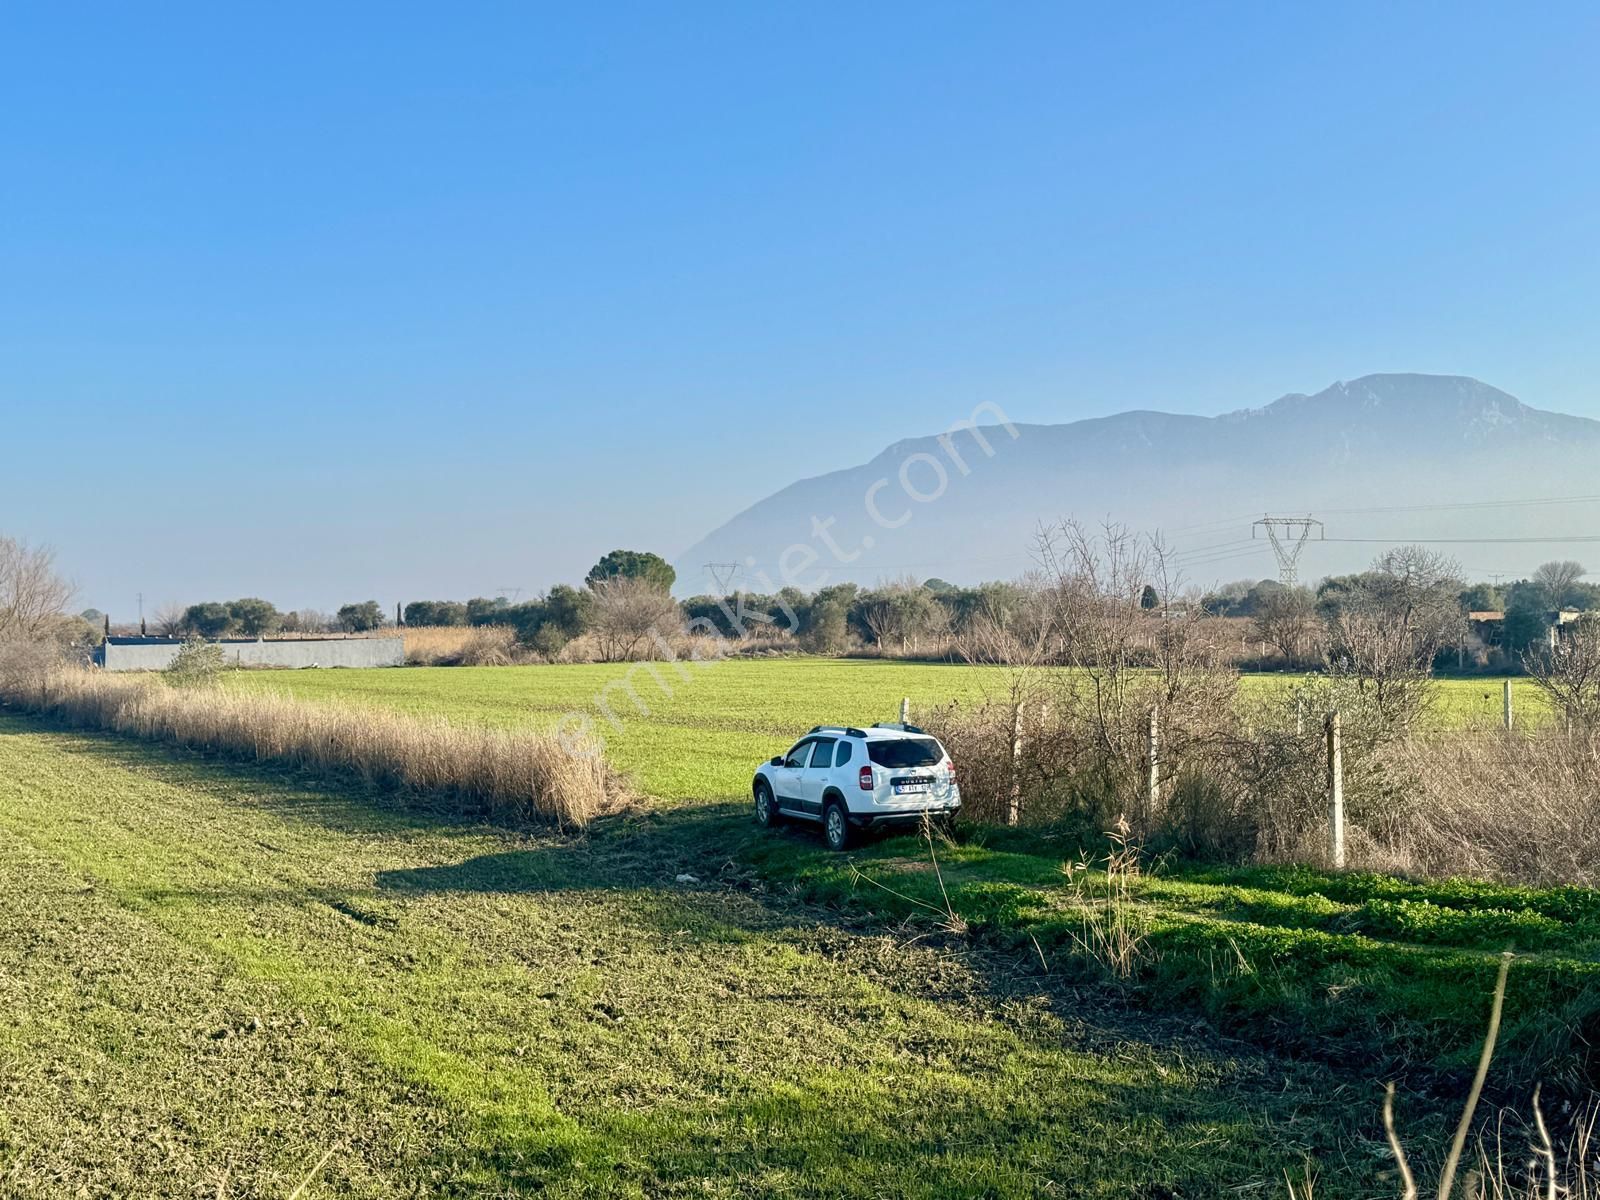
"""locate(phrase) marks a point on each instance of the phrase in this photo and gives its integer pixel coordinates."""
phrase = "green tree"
(568, 610)
(360, 618)
(208, 620)
(254, 617)
(483, 611)
(435, 612)
(826, 628)
(1525, 628)
(634, 564)
(1149, 598)
(1482, 597)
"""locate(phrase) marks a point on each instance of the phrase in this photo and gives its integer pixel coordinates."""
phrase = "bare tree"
(1123, 661)
(902, 614)
(627, 611)
(1388, 626)
(33, 598)
(168, 620)
(1287, 621)
(1557, 579)
(1569, 673)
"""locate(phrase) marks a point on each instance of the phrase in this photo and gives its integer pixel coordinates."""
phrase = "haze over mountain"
(1376, 459)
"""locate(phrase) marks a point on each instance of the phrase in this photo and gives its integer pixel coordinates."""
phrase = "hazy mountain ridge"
(1381, 440)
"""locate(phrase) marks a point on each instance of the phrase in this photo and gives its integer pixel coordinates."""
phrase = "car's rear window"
(905, 752)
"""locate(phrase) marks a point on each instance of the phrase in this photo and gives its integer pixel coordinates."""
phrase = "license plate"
(907, 789)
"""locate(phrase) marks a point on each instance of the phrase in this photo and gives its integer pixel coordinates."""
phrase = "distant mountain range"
(1383, 459)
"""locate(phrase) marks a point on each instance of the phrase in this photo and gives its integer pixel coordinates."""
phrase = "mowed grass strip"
(242, 970)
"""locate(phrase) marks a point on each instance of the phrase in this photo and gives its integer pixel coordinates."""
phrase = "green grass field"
(215, 974)
(702, 738)
(1345, 985)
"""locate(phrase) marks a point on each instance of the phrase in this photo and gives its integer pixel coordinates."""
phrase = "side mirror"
(778, 762)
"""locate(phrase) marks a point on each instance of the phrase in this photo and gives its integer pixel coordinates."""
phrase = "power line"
(1472, 541)
(1466, 504)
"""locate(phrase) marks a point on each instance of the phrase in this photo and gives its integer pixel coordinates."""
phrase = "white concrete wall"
(333, 652)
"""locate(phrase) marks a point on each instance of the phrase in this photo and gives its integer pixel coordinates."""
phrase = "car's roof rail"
(847, 730)
(900, 725)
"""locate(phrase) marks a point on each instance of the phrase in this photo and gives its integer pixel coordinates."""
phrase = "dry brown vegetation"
(1064, 737)
(462, 646)
(505, 775)
(1520, 808)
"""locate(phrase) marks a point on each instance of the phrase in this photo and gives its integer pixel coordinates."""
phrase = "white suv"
(848, 778)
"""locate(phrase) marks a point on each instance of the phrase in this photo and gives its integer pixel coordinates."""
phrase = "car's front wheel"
(766, 810)
(836, 827)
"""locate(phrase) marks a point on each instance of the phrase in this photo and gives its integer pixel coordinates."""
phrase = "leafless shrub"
(1569, 673)
(515, 775)
(1386, 627)
(627, 612)
(1123, 662)
(1064, 732)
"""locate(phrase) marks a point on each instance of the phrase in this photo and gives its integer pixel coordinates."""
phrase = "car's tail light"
(951, 767)
(866, 779)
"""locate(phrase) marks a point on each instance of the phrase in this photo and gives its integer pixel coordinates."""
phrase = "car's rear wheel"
(836, 827)
(766, 809)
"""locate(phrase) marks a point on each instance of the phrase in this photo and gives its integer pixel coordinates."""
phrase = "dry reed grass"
(463, 646)
(506, 775)
(1520, 808)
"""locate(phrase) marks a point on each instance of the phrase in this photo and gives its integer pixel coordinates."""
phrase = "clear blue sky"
(323, 302)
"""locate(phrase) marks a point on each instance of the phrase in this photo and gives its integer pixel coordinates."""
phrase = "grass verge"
(1359, 969)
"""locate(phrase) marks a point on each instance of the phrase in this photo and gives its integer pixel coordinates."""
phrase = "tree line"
(1513, 621)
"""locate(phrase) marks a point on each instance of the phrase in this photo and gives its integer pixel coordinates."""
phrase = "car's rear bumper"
(904, 816)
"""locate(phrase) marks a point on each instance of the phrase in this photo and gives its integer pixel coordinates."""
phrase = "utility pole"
(1288, 536)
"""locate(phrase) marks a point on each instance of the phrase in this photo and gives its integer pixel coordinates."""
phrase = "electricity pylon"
(723, 575)
(1288, 536)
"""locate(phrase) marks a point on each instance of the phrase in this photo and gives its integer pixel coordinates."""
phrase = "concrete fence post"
(1153, 797)
(905, 710)
(1014, 808)
(1510, 717)
(1335, 793)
